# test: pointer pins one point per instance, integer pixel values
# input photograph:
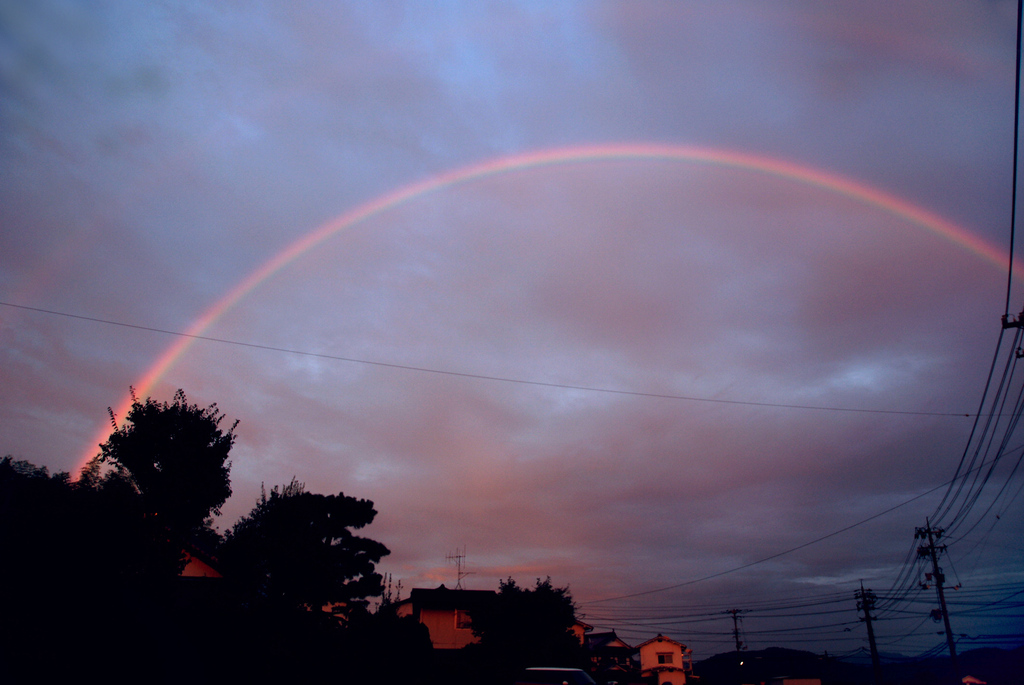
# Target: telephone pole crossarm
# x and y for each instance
(1012, 322)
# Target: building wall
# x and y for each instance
(197, 568)
(649, 653)
(671, 673)
(444, 632)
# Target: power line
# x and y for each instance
(776, 555)
(1016, 152)
(950, 495)
(485, 377)
(898, 594)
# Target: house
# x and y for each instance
(199, 564)
(609, 655)
(664, 658)
(200, 584)
(445, 613)
(580, 630)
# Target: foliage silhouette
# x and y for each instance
(73, 571)
(525, 627)
(371, 641)
(295, 550)
(175, 454)
(92, 568)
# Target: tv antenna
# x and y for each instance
(458, 557)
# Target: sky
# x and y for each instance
(686, 305)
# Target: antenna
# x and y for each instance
(458, 557)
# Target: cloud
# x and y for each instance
(153, 157)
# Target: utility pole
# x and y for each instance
(736, 629)
(931, 551)
(736, 636)
(866, 602)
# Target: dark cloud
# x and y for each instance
(152, 157)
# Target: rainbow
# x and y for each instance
(783, 169)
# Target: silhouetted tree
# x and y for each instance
(175, 457)
(371, 641)
(525, 627)
(296, 550)
(71, 571)
(65, 535)
(91, 567)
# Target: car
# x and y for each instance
(554, 676)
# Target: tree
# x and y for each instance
(75, 552)
(295, 550)
(527, 628)
(175, 455)
(369, 641)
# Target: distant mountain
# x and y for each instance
(775, 662)
(994, 666)
(863, 657)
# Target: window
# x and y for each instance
(664, 657)
(462, 620)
